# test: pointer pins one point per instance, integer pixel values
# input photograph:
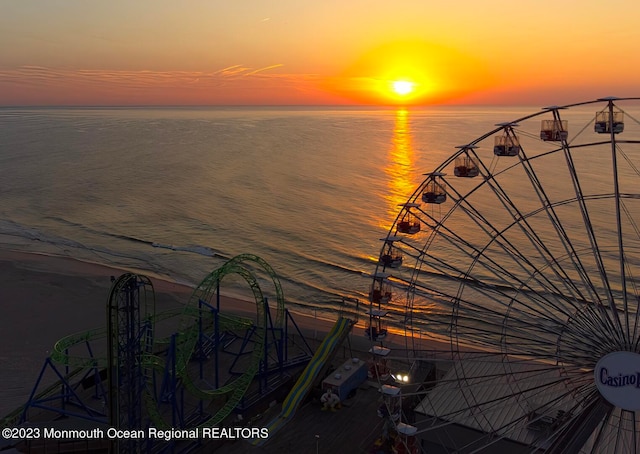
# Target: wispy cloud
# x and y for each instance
(230, 84)
(262, 70)
(39, 75)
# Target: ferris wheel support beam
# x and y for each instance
(616, 189)
(581, 429)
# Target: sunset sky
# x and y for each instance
(282, 52)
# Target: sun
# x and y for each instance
(402, 87)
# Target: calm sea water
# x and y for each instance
(177, 191)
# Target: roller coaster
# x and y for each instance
(215, 369)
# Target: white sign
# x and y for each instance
(617, 377)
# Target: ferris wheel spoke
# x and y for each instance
(626, 157)
(541, 309)
(599, 435)
(614, 434)
(496, 269)
(523, 261)
(515, 425)
(548, 207)
(562, 235)
(539, 343)
(621, 257)
(481, 410)
(591, 233)
(491, 322)
(627, 268)
(575, 432)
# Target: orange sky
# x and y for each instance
(202, 52)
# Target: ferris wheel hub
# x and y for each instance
(617, 377)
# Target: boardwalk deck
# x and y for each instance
(351, 429)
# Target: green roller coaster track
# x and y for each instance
(236, 389)
(231, 393)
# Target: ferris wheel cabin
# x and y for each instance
(376, 329)
(464, 165)
(434, 191)
(606, 123)
(380, 289)
(409, 224)
(391, 256)
(554, 130)
(507, 144)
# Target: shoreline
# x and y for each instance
(45, 298)
(40, 263)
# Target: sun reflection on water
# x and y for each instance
(400, 167)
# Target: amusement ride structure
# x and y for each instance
(216, 369)
(519, 254)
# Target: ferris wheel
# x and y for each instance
(520, 255)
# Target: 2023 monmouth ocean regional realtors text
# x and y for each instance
(230, 433)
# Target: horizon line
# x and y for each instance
(231, 106)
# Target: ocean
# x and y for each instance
(175, 192)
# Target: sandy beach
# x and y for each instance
(45, 298)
